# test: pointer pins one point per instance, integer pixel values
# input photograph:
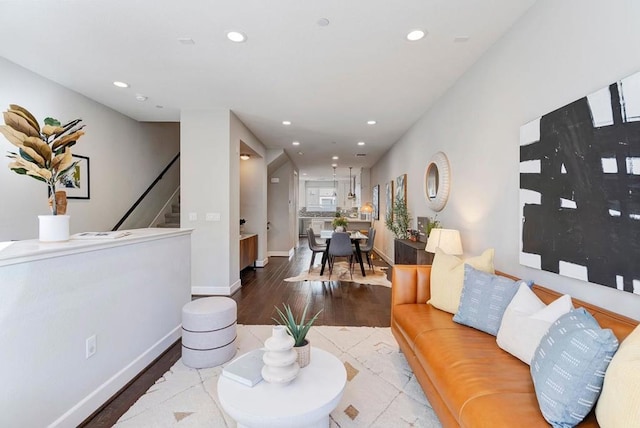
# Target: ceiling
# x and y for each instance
(328, 80)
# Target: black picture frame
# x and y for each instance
(77, 182)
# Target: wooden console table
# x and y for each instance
(248, 250)
(408, 252)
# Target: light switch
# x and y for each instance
(193, 216)
(212, 217)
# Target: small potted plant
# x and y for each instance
(339, 223)
(297, 329)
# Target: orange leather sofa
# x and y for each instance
(467, 378)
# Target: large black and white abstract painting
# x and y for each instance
(580, 188)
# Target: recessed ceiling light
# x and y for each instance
(371, 122)
(335, 158)
(334, 165)
(296, 143)
(186, 41)
(323, 22)
(245, 156)
(121, 84)
(461, 39)
(300, 153)
(159, 106)
(286, 122)
(236, 36)
(361, 143)
(415, 35)
(141, 97)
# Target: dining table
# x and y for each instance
(355, 236)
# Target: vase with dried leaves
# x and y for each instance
(43, 153)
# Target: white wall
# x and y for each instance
(128, 293)
(253, 186)
(558, 52)
(125, 156)
(208, 160)
(281, 212)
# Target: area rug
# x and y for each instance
(341, 273)
(381, 390)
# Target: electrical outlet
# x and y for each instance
(91, 346)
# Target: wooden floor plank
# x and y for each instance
(342, 304)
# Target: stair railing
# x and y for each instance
(146, 192)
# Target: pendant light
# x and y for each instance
(351, 194)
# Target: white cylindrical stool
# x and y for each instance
(208, 331)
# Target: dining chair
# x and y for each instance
(340, 246)
(314, 246)
(367, 248)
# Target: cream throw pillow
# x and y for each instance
(619, 403)
(526, 320)
(447, 277)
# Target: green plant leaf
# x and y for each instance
(296, 328)
(51, 121)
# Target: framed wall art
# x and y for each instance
(389, 199)
(579, 176)
(401, 188)
(77, 181)
(376, 202)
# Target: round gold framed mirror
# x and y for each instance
(437, 182)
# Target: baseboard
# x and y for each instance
(288, 254)
(78, 413)
(383, 256)
(216, 291)
(263, 262)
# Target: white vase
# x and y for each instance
(53, 228)
(280, 366)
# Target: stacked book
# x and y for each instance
(246, 369)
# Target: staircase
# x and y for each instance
(172, 219)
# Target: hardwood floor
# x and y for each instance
(342, 304)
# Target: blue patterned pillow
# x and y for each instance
(568, 367)
(484, 299)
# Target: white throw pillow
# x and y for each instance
(526, 320)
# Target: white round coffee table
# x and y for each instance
(305, 402)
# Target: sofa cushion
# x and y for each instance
(466, 363)
(447, 277)
(484, 298)
(414, 319)
(526, 320)
(618, 405)
(569, 365)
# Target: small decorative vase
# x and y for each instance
(280, 366)
(54, 228)
(304, 354)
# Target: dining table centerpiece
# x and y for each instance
(339, 223)
(44, 154)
